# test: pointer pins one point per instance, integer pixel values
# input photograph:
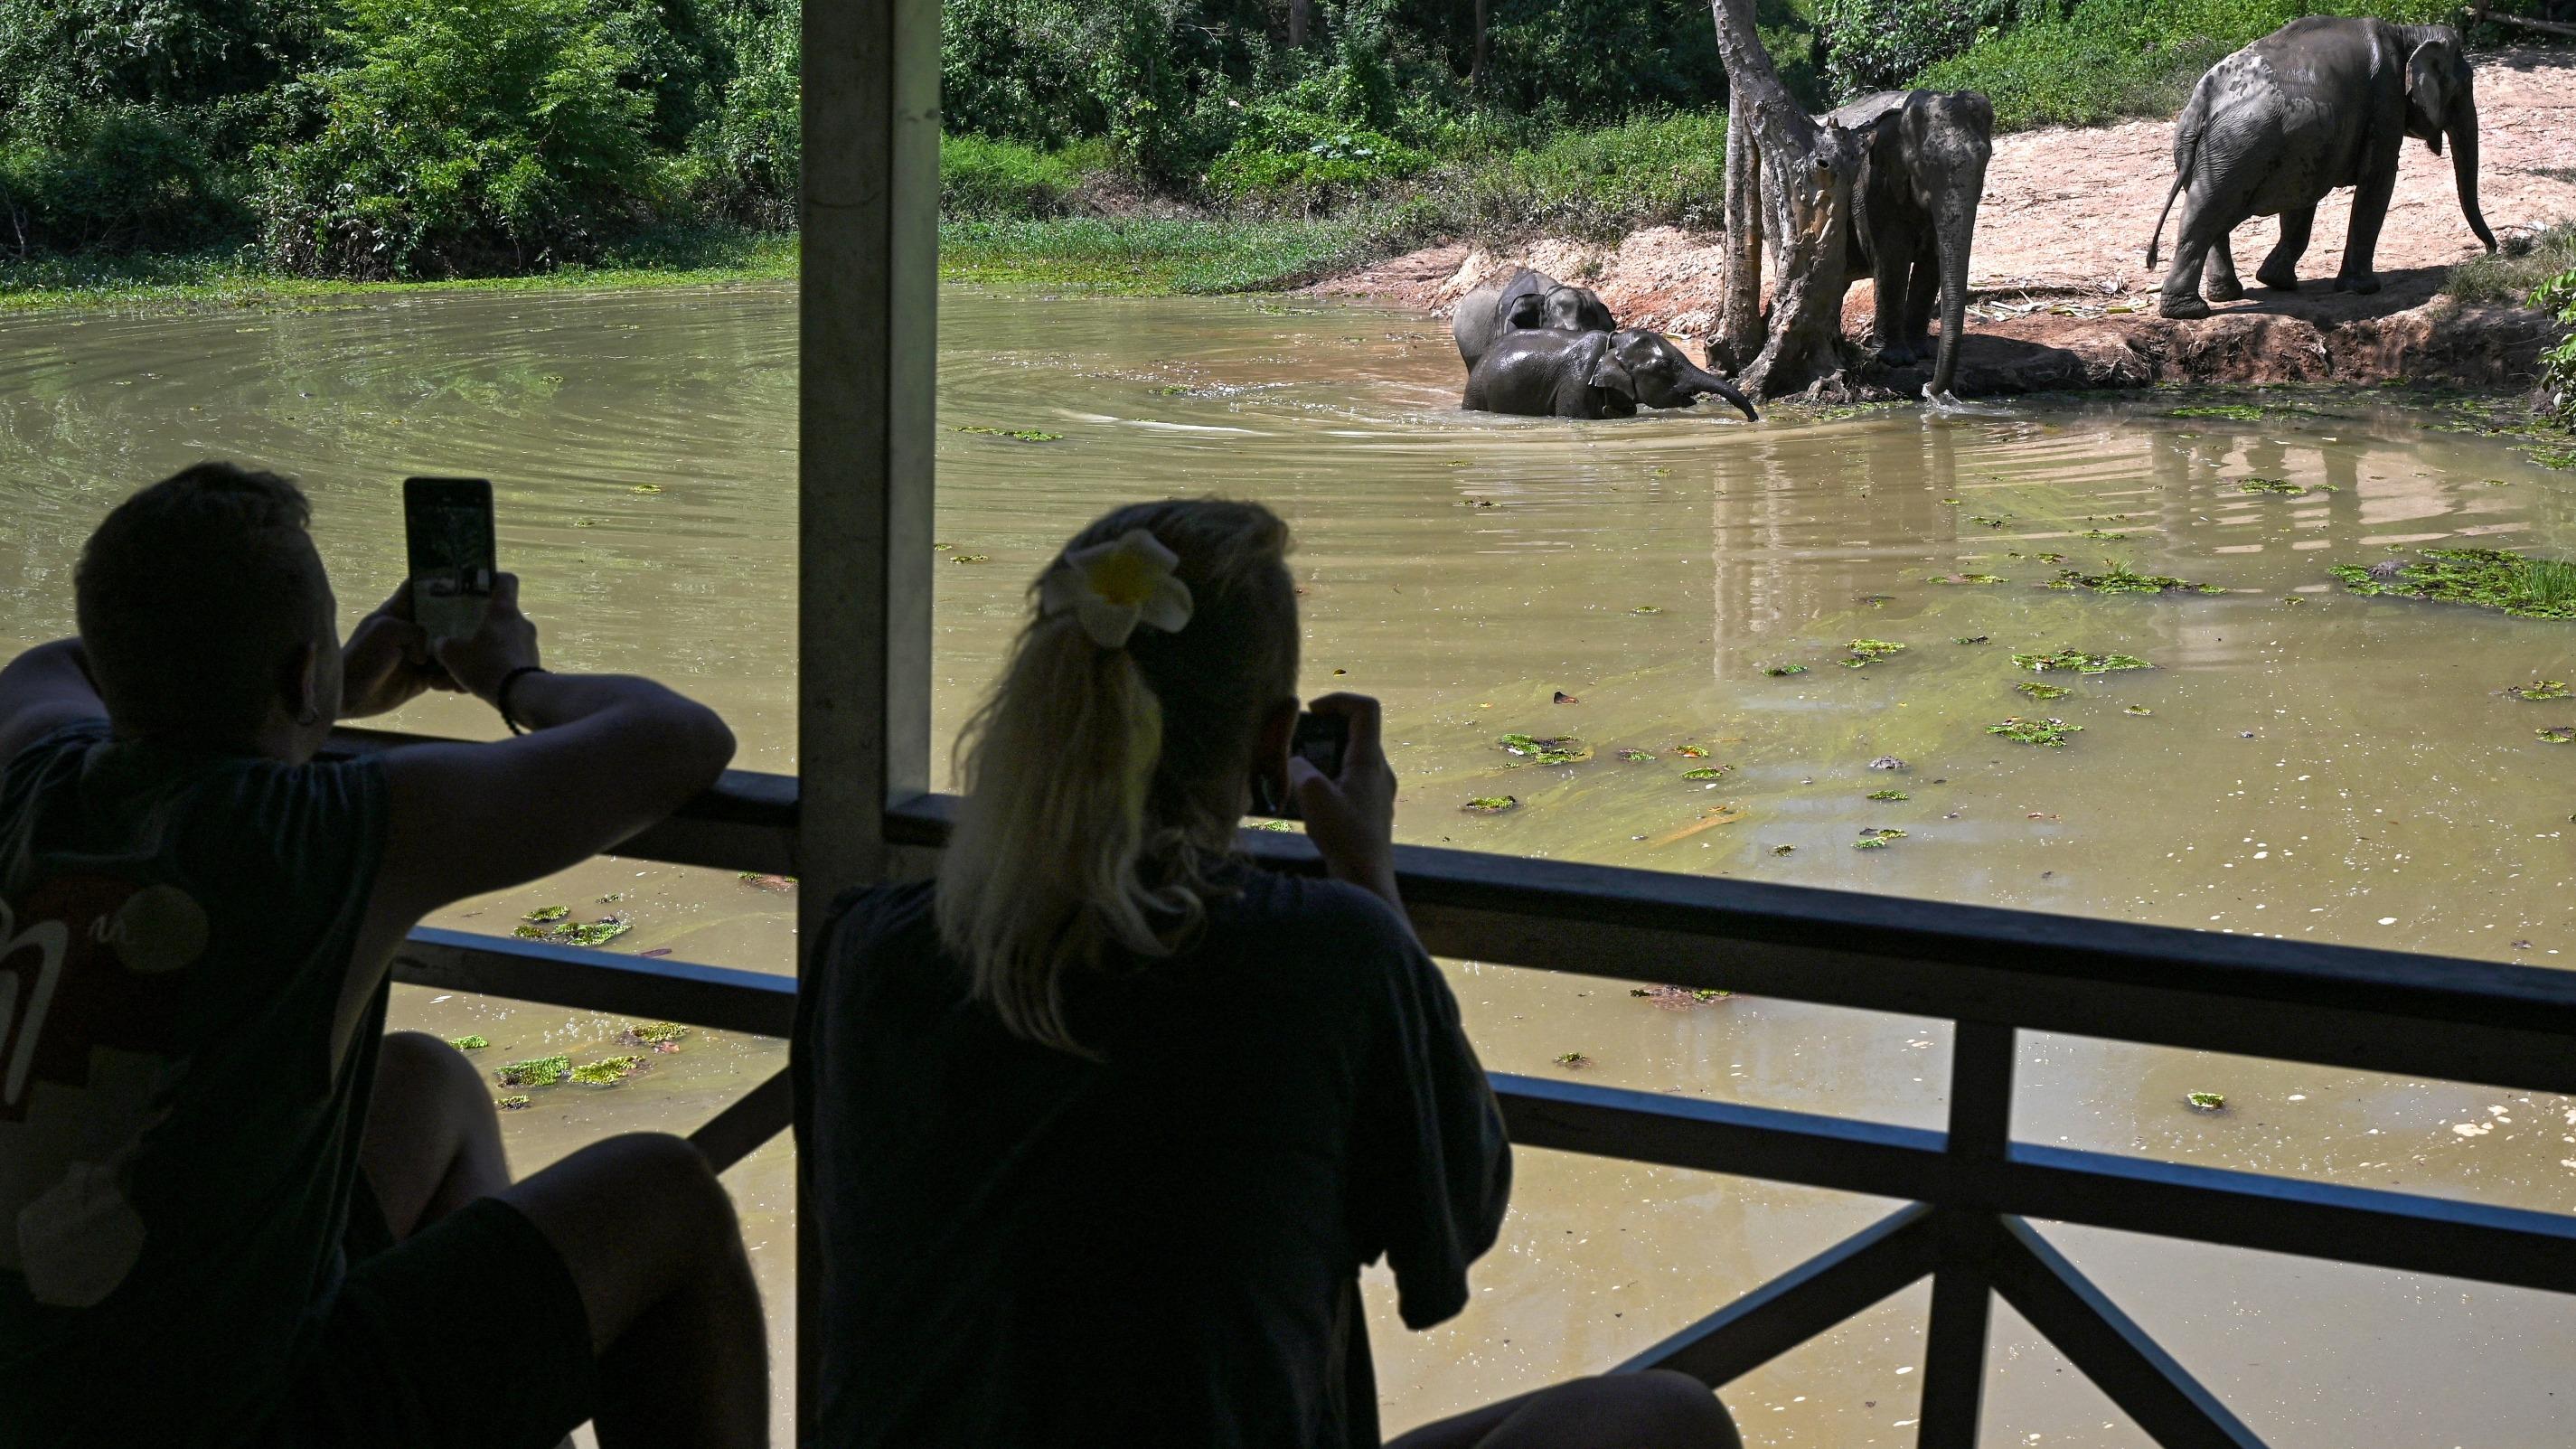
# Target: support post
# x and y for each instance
(1954, 1361)
(867, 326)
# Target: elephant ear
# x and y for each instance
(1611, 375)
(2428, 89)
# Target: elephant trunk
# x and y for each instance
(1956, 229)
(1700, 383)
(2464, 169)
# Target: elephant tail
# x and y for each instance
(2185, 155)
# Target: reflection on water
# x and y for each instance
(2298, 762)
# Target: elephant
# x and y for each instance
(2320, 103)
(1549, 372)
(1527, 299)
(1914, 213)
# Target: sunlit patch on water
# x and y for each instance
(2342, 768)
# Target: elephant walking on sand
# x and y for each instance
(1525, 299)
(2320, 103)
(1914, 213)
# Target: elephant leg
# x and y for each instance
(1890, 272)
(1922, 294)
(2280, 270)
(2369, 210)
(2202, 225)
(2224, 285)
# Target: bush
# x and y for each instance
(2102, 59)
(1876, 45)
(463, 136)
(746, 157)
(985, 179)
(116, 177)
(2558, 364)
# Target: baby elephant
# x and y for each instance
(1541, 372)
(1528, 299)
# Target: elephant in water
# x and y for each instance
(2321, 102)
(1527, 299)
(1547, 372)
(1922, 170)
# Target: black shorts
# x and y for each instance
(469, 1335)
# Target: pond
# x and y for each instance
(2294, 759)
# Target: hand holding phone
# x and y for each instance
(447, 529)
(1318, 739)
(1350, 812)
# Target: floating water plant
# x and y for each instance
(2239, 412)
(607, 1071)
(645, 488)
(1636, 756)
(653, 1033)
(2049, 732)
(1017, 435)
(2137, 709)
(2557, 734)
(2037, 690)
(1889, 795)
(2538, 689)
(1972, 639)
(1708, 772)
(1784, 850)
(1490, 805)
(1877, 838)
(1554, 750)
(1678, 997)
(759, 882)
(1642, 610)
(2206, 1101)
(546, 915)
(1866, 652)
(970, 558)
(2079, 661)
(469, 1043)
(1887, 762)
(1690, 752)
(1576, 1060)
(1783, 671)
(2282, 486)
(1984, 519)
(2050, 557)
(2525, 588)
(2121, 579)
(1276, 827)
(535, 1072)
(512, 1104)
(1967, 578)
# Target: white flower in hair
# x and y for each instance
(1112, 587)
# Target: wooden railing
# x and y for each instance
(1972, 1190)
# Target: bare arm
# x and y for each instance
(605, 756)
(43, 690)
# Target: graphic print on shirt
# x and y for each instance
(85, 1044)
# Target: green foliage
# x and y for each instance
(462, 136)
(2514, 273)
(2526, 588)
(1876, 45)
(980, 177)
(2558, 364)
(2086, 62)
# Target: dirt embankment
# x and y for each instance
(2061, 297)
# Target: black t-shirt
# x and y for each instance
(1024, 1247)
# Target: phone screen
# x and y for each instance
(1320, 740)
(447, 526)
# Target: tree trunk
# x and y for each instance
(1739, 318)
(1805, 172)
(1299, 11)
(1476, 66)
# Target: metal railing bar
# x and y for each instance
(1954, 1346)
(661, 990)
(1724, 1137)
(1798, 1305)
(2370, 1227)
(747, 1121)
(2108, 1346)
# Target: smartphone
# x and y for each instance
(1320, 740)
(447, 525)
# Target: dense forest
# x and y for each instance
(431, 138)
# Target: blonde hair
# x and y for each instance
(1103, 784)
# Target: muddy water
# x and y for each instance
(2298, 761)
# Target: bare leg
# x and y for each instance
(432, 1142)
(2369, 210)
(2280, 270)
(651, 1240)
(2223, 284)
(1657, 1409)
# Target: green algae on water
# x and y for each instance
(1644, 610)
(2206, 1101)
(1573, 1059)
(546, 915)
(607, 1071)
(2099, 536)
(1889, 795)
(2538, 689)
(2556, 734)
(2235, 412)
(512, 1104)
(1967, 578)
(1972, 638)
(2121, 579)
(1865, 652)
(1784, 850)
(2523, 588)
(2037, 690)
(653, 1033)
(1707, 772)
(1557, 750)
(2281, 486)
(1877, 837)
(469, 1043)
(1490, 804)
(2049, 732)
(1986, 520)
(1783, 671)
(535, 1072)
(1690, 752)
(1636, 756)
(2079, 661)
